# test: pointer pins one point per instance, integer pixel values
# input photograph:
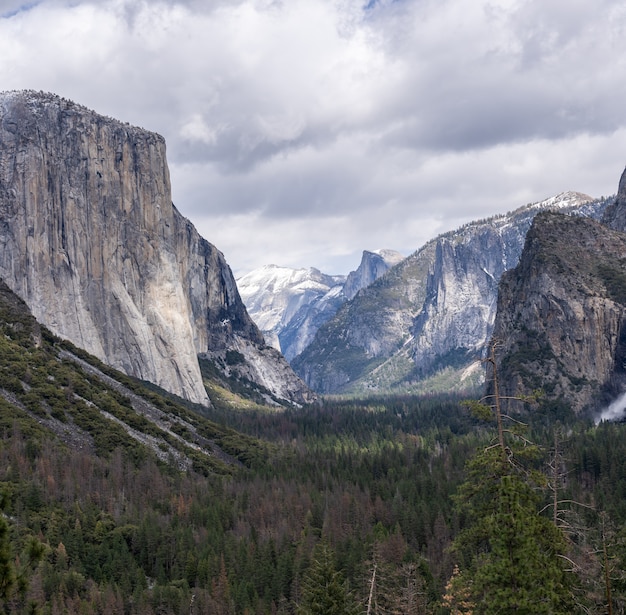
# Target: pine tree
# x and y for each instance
(14, 577)
(324, 590)
(513, 555)
(7, 569)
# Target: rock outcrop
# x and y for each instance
(615, 214)
(91, 241)
(372, 266)
(561, 317)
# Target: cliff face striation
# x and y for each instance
(560, 324)
(91, 241)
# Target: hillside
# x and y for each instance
(89, 406)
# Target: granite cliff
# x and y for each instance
(90, 240)
(561, 316)
(373, 265)
(422, 325)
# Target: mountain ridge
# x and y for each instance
(428, 316)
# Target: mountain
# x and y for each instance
(290, 305)
(423, 324)
(93, 244)
(372, 266)
(276, 296)
(561, 318)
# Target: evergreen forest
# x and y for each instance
(394, 505)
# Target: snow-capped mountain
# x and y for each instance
(431, 314)
(289, 305)
(274, 295)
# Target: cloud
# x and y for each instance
(10, 8)
(310, 130)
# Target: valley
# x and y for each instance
(225, 513)
(433, 446)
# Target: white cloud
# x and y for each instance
(310, 130)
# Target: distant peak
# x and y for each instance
(566, 199)
(389, 256)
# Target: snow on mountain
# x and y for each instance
(289, 305)
(273, 295)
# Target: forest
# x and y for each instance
(382, 498)
(393, 505)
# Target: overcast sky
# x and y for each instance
(301, 132)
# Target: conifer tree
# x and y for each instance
(324, 590)
(7, 569)
(511, 554)
(14, 578)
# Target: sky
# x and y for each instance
(302, 132)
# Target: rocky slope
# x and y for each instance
(432, 314)
(91, 241)
(290, 305)
(72, 397)
(561, 316)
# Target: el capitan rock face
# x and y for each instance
(90, 239)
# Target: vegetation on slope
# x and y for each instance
(139, 504)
